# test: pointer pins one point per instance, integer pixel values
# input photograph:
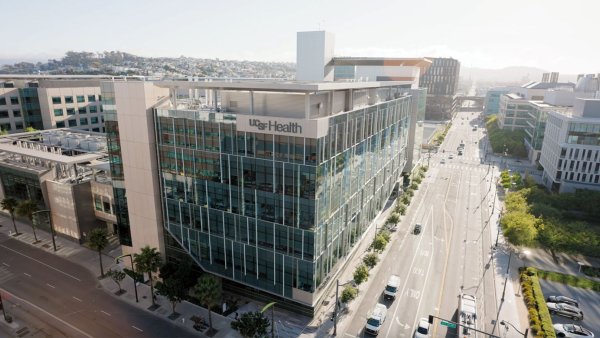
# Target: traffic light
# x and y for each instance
(430, 319)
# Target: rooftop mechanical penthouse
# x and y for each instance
(269, 185)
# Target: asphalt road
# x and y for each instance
(69, 294)
(451, 253)
(589, 302)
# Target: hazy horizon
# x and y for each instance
(548, 35)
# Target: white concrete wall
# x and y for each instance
(314, 51)
(134, 102)
(47, 107)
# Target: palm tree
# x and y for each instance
(208, 291)
(26, 209)
(10, 204)
(99, 241)
(148, 260)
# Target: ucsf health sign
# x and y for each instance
(282, 126)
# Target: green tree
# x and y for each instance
(117, 276)
(400, 208)
(414, 186)
(208, 292)
(386, 234)
(519, 227)
(10, 204)
(148, 261)
(349, 293)
(394, 218)
(172, 288)
(361, 274)
(251, 325)
(26, 209)
(379, 243)
(99, 241)
(405, 199)
(371, 260)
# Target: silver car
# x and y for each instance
(565, 310)
(571, 330)
(563, 299)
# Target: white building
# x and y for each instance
(570, 152)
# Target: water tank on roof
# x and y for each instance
(97, 145)
(84, 144)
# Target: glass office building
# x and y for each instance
(275, 205)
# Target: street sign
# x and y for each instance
(448, 324)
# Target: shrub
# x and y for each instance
(379, 243)
(371, 260)
(405, 199)
(400, 208)
(418, 179)
(539, 316)
(348, 294)
(414, 186)
(394, 218)
(361, 274)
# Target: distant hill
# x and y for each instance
(510, 74)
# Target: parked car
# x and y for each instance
(565, 310)
(423, 329)
(563, 299)
(572, 330)
(451, 156)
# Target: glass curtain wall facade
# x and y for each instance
(116, 163)
(30, 102)
(277, 212)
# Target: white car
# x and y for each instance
(423, 329)
(451, 156)
(571, 330)
(443, 161)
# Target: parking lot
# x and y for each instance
(589, 302)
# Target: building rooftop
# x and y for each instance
(547, 85)
(278, 86)
(422, 63)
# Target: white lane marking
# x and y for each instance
(47, 313)
(426, 274)
(106, 313)
(137, 328)
(409, 269)
(50, 285)
(44, 264)
(77, 299)
(5, 264)
(26, 274)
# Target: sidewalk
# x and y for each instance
(88, 258)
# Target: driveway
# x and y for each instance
(589, 302)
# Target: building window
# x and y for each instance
(68, 99)
(18, 125)
(2, 101)
(5, 127)
(94, 120)
(106, 207)
(58, 112)
(82, 110)
(16, 113)
(60, 124)
(93, 109)
(70, 111)
(83, 121)
(56, 100)
(91, 98)
(3, 114)
(72, 123)
(96, 130)
(80, 98)
(14, 100)
(98, 202)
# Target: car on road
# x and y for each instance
(572, 330)
(391, 287)
(376, 319)
(451, 156)
(563, 299)
(423, 329)
(460, 152)
(443, 161)
(418, 228)
(565, 310)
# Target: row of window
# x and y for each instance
(102, 203)
(83, 121)
(4, 114)
(80, 110)
(578, 177)
(78, 98)
(13, 100)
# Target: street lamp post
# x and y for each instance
(335, 311)
(51, 225)
(134, 275)
(272, 306)
(506, 323)
(507, 274)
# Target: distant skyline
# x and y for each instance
(552, 35)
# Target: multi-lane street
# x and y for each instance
(69, 297)
(452, 253)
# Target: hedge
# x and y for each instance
(539, 316)
(578, 282)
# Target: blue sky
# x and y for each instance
(554, 35)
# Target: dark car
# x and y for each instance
(565, 310)
(563, 299)
(417, 229)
